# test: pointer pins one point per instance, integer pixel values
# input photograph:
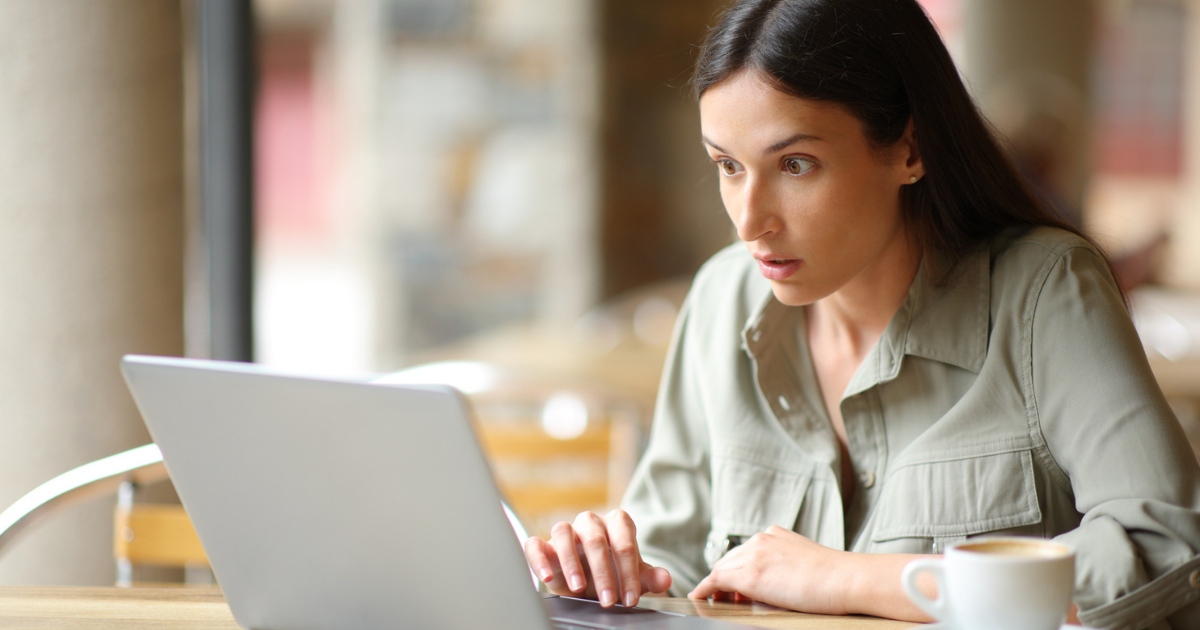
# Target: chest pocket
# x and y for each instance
(926, 505)
(750, 496)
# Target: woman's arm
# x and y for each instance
(669, 496)
(1116, 442)
(783, 568)
(609, 559)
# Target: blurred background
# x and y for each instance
(506, 195)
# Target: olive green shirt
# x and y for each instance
(1014, 397)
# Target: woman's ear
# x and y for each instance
(910, 152)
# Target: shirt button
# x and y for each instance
(1194, 580)
(867, 479)
(783, 402)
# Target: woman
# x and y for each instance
(906, 350)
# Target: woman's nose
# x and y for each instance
(757, 216)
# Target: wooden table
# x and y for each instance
(92, 608)
(765, 616)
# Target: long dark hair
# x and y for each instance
(884, 61)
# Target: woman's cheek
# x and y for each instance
(730, 201)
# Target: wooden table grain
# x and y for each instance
(755, 614)
(96, 608)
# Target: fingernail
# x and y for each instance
(576, 583)
(608, 597)
(547, 575)
(630, 598)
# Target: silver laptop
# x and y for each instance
(327, 504)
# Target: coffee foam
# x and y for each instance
(1016, 548)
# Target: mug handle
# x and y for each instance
(936, 608)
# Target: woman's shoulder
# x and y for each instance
(1026, 256)
(1038, 245)
(1049, 270)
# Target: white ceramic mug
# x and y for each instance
(1001, 583)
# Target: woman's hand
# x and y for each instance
(597, 558)
(781, 568)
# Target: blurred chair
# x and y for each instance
(144, 534)
(645, 315)
(159, 535)
(557, 444)
(620, 344)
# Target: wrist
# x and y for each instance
(856, 573)
(873, 587)
(842, 579)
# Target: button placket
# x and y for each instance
(858, 435)
(863, 431)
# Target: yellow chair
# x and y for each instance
(157, 535)
(146, 534)
(557, 445)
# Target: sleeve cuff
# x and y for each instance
(1151, 603)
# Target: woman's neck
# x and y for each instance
(855, 316)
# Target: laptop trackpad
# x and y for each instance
(569, 612)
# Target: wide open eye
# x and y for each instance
(729, 168)
(797, 165)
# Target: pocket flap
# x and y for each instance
(749, 497)
(958, 497)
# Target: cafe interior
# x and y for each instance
(506, 196)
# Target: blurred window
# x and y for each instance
(426, 172)
(1139, 89)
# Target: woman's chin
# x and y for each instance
(792, 295)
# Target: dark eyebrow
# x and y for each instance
(778, 146)
(783, 144)
(712, 144)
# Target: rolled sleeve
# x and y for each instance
(1177, 590)
(1110, 432)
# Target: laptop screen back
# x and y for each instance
(325, 504)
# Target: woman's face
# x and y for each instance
(815, 203)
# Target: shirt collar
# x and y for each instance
(946, 322)
(949, 321)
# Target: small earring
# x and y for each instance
(912, 180)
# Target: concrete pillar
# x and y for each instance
(1028, 65)
(91, 208)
